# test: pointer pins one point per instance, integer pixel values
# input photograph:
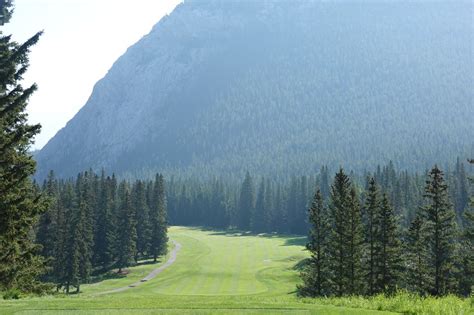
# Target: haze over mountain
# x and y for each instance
(221, 87)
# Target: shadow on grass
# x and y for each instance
(300, 265)
(148, 262)
(290, 239)
(106, 276)
(100, 275)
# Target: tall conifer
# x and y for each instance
(440, 234)
(20, 204)
(316, 274)
(389, 258)
(159, 221)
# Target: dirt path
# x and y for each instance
(151, 275)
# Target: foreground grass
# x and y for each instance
(223, 273)
(404, 303)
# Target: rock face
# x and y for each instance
(279, 88)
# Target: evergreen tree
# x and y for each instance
(126, 245)
(258, 216)
(269, 217)
(371, 210)
(20, 204)
(466, 281)
(389, 258)
(77, 252)
(104, 239)
(440, 234)
(65, 202)
(246, 203)
(143, 218)
(340, 203)
(158, 216)
(460, 190)
(355, 242)
(416, 261)
(317, 273)
(47, 226)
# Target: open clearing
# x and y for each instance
(214, 273)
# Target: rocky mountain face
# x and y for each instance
(280, 87)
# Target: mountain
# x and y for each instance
(281, 87)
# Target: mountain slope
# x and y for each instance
(280, 87)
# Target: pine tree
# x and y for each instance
(460, 191)
(64, 204)
(416, 261)
(269, 216)
(340, 203)
(47, 226)
(246, 203)
(257, 221)
(142, 214)
(388, 260)
(127, 237)
(317, 273)
(440, 234)
(466, 282)
(77, 252)
(104, 239)
(159, 222)
(355, 242)
(371, 210)
(20, 205)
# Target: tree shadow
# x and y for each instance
(289, 239)
(300, 265)
(148, 262)
(296, 241)
(106, 276)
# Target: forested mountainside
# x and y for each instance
(220, 87)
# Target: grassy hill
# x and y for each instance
(214, 273)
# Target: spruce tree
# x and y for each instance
(317, 273)
(142, 214)
(104, 239)
(257, 221)
(47, 226)
(20, 204)
(416, 277)
(340, 203)
(355, 242)
(127, 237)
(371, 210)
(246, 203)
(440, 234)
(77, 252)
(159, 221)
(389, 259)
(466, 282)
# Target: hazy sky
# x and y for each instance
(81, 41)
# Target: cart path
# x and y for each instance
(151, 275)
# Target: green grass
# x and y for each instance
(215, 273)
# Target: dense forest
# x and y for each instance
(280, 87)
(360, 248)
(267, 204)
(95, 224)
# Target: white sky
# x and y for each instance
(81, 41)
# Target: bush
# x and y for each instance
(12, 294)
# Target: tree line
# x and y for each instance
(95, 223)
(264, 204)
(358, 245)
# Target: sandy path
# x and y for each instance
(151, 275)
